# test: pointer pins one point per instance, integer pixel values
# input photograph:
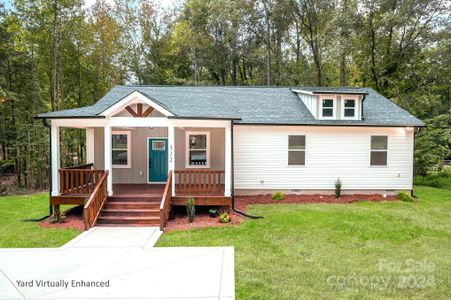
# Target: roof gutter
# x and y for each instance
(203, 118)
(324, 125)
(69, 117)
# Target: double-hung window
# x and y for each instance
(349, 108)
(296, 150)
(197, 149)
(379, 148)
(120, 146)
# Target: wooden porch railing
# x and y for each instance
(165, 205)
(79, 181)
(192, 181)
(83, 166)
(95, 202)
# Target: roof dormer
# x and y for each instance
(333, 104)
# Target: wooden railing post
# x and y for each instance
(165, 205)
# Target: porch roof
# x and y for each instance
(251, 105)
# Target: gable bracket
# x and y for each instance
(139, 111)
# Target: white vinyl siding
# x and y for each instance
(261, 157)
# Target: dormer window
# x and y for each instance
(327, 109)
(349, 108)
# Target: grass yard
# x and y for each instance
(15, 233)
(359, 250)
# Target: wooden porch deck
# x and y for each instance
(136, 204)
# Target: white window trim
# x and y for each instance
(356, 107)
(305, 151)
(378, 150)
(129, 149)
(334, 108)
(187, 150)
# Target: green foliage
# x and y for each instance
(438, 179)
(191, 209)
(338, 185)
(278, 196)
(433, 145)
(15, 233)
(224, 216)
(404, 196)
(292, 238)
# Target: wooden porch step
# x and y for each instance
(131, 205)
(139, 198)
(130, 212)
(136, 220)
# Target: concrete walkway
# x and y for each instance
(124, 262)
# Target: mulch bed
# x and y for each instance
(180, 221)
(202, 220)
(74, 219)
(241, 202)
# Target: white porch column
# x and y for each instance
(107, 155)
(55, 163)
(171, 154)
(228, 162)
(89, 145)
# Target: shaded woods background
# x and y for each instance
(62, 54)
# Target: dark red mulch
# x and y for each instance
(202, 220)
(74, 219)
(242, 201)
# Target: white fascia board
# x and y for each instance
(302, 91)
(201, 123)
(80, 123)
(138, 122)
(132, 98)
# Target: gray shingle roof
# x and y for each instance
(263, 105)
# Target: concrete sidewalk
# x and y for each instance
(124, 261)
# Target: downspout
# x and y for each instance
(363, 99)
(44, 121)
(233, 181)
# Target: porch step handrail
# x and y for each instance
(191, 181)
(78, 181)
(95, 202)
(165, 205)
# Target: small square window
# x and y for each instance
(158, 145)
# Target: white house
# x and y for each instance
(216, 142)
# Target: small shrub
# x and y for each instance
(191, 209)
(338, 185)
(440, 179)
(224, 216)
(405, 197)
(278, 196)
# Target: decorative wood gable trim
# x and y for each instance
(139, 111)
(138, 99)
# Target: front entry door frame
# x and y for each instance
(148, 157)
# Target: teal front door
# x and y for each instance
(158, 160)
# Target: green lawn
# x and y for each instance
(16, 233)
(360, 250)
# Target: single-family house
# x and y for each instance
(150, 147)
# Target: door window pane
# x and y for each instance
(158, 145)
